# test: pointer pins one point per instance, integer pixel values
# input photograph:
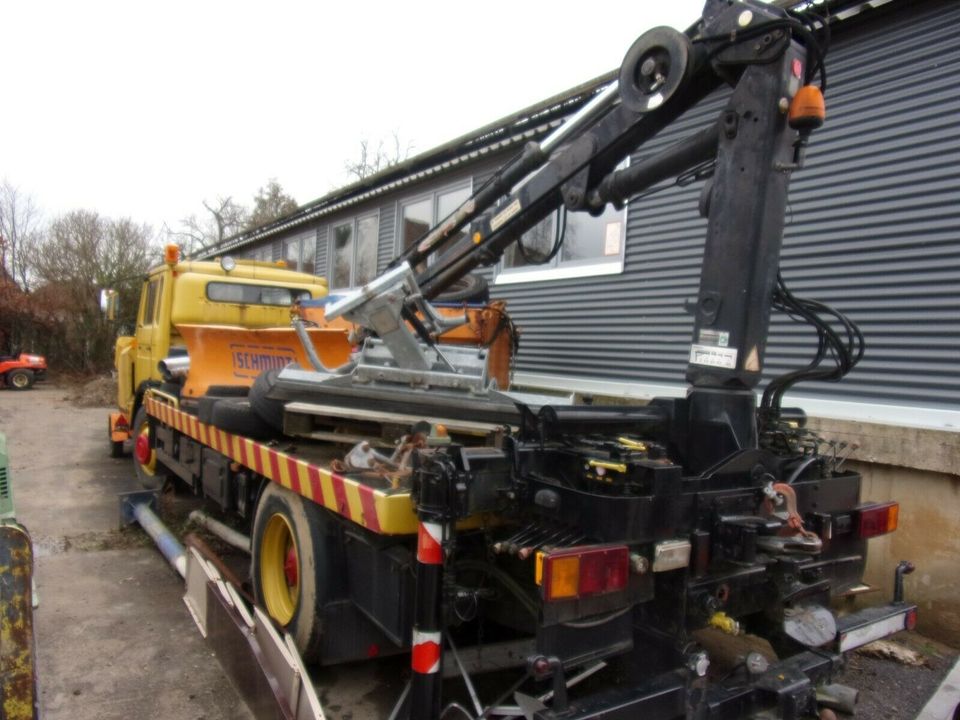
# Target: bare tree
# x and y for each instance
(19, 233)
(226, 218)
(374, 159)
(82, 254)
(269, 204)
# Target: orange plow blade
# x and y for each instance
(229, 355)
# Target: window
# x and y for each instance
(254, 294)
(418, 216)
(354, 256)
(261, 254)
(291, 253)
(591, 246)
(150, 301)
(308, 257)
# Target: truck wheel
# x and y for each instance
(149, 472)
(290, 565)
(20, 379)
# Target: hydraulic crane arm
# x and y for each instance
(663, 75)
(768, 56)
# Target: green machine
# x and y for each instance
(18, 678)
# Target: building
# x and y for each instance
(873, 229)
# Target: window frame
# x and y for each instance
(354, 221)
(284, 244)
(557, 269)
(434, 197)
(293, 292)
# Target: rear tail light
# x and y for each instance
(877, 519)
(577, 572)
(910, 621)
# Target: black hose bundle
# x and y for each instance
(844, 348)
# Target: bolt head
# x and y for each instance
(639, 564)
(699, 663)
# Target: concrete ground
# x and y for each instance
(114, 639)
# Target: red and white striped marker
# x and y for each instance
(429, 548)
(426, 652)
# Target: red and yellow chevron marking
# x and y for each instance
(387, 514)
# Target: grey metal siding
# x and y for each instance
(387, 240)
(323, 250)
(873, 228)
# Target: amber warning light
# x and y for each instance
(171, 254)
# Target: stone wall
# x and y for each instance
(921, 470)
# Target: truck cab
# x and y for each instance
(225, 292)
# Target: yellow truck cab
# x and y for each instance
(225, 292)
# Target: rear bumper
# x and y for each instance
(787, 689)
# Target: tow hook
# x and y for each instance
(904, 567)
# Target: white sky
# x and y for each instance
(144, 109)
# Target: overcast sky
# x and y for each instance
(144, 109)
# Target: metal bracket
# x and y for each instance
(128, 500)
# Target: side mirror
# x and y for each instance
(109, 303)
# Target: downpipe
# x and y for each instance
(225, 533)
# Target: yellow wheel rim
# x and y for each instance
(20, 381)
(280, 569)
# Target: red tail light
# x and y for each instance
(877, 519)
(582, 571)
(910, 621)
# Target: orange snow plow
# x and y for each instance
(233, 355)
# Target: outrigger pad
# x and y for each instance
(128, 500)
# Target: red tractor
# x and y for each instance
(20, 372)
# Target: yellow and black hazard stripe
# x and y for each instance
(378, 511)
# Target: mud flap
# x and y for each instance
(18, 681)
(264, 666)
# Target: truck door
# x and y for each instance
(147, 329)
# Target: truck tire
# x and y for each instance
(269, 410)
(20, 379)
(469, 288)
(290, 565)
(150, 473)
(236, 416)
(239, 391)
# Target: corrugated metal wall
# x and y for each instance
(873, 229)
(323, 250)
(387, 243)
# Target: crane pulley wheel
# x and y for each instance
(654, 68)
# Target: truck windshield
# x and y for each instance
(254, 294)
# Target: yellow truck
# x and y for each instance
(228, 296)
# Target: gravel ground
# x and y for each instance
(890, 690)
